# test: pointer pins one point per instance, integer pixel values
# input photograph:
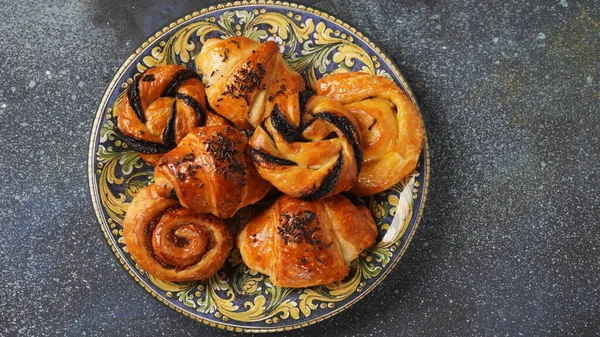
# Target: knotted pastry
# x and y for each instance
(171, 242)
(390, 125)
(308, 148)
(210, 171)
(306, 243)
(160, 107)
(243, 78)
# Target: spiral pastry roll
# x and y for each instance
(244, 78)
(211, 171)
(172, 243)
(160, 107)
(309, 147)
(306, 243)
(390, 125)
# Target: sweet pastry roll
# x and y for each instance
(390, 125)
(160, 107)
(171, 242)
(244, 78)
(306, 243)
(309, 147)
(211, 171)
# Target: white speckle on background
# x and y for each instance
(73, 97)
(3, 105)
(31, 84)
(80, 84)
(496, 40)
(541, 36)
(564, 3)
(543, 164)
(589, 79)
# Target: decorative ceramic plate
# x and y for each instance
(237, 299)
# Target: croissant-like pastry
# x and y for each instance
(172, 243)
(160, 107)
(308, 148)
(306, 243)
(243, 78)
(390, 125)
(211, 171)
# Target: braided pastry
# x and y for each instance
(306, 243)
(243, 78)
(160, 107)
(211, 172)
(172, 243)
(390, 125)
(308, 148)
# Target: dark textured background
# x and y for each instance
(510, 95)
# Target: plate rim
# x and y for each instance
(99, 114)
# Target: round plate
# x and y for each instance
(237, 299)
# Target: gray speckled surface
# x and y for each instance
(510, 95)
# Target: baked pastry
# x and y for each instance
(244, 78)
(390, 125)
(171, 242)
(309, 147)
(160, 107)
(306, 243)
(210, 171)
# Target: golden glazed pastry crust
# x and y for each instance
(211, 172)
(357, 133)
(308, 148)
(244, 78)
(172, 243)
(390, 125)
(160, 107)
(306, 243)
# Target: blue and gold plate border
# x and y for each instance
(237, 299)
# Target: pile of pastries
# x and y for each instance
(245, 128)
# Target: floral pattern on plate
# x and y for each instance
(236, 298)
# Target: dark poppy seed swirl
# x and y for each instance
(308, 150)
(141, 113)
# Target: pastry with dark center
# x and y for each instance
(160, 107)
(306, 243)
(309, 147)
